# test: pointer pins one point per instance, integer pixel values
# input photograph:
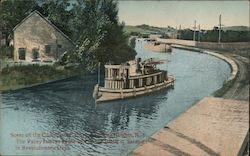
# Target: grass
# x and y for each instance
(14, 77)
(146, 29)
(128, 29)
(143, 29)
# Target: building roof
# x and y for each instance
(48, 21)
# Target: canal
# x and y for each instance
(61, 118)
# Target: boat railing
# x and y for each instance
(136, 89)
(147, 75)
(136, 81)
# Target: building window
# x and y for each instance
(59, 46)
(35, 53)
(47, 49)
(21, 53)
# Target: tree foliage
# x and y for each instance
(92, 24)
(58, 13)
(100, 33)
(213, 35)
(12, 12)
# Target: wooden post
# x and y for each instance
(134, 91)
(121, 91)
(98, 76)
(194, 30)
(199, 37)
(219, 39)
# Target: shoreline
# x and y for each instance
(161, 48)
(231, 86)
(228, 60)
(36, 84)
(237, 85)
(200, 131)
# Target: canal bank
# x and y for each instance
(232, 64)
(188, 135)
(16, 76)
(161, 48)
(237, 85)
(213, 126)
(229, 60)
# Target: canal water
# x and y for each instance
(61, 118)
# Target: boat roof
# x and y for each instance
(111, 66)
(127, 65)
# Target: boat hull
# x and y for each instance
(111, 94)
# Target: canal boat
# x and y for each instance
(132, 79)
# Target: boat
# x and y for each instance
(132, 79)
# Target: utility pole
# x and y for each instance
(194, 29)
(179, 31)
(1, 26)
(1, 38)
(199, 39)
(219, 39)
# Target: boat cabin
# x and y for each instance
(134, 74)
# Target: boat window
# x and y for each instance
(115, 72)
(136, 83)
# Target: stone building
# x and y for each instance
(36, 39)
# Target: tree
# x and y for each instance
(92, 24)
(13, 12)
(100, 37)
(88, 32)
(58, 12)
(114, 47)
(132, 42)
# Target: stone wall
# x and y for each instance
(36, 32)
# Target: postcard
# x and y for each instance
(124, 77)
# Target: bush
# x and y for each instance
(24, 75)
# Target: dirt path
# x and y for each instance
(240, 88)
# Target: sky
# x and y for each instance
(179, 12)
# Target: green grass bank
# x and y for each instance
(20, 76)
